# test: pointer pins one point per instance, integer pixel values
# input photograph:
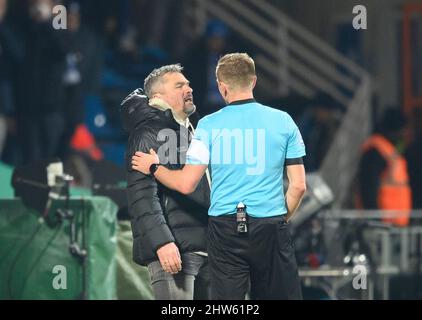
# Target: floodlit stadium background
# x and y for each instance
(60, 92)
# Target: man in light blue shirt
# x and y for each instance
(245, 146)
(268, 137)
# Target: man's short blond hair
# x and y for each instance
(237, 70)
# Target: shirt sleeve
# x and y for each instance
(295, 144)
(199, 149)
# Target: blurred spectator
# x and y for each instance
(383, 176)
(200, 63)
(10, 54)
(83, 143)
(159, 12)
(80, 51)
(318, 125)
(101, 18)
(414, 159)
(40, 108)
(159, 23)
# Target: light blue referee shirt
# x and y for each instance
(245, 146)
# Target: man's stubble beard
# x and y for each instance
(189, 109)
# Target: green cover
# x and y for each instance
(133, 281)
(30, 248)
(6, 190)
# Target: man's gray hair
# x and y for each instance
(157, 76)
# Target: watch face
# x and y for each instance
(153, 168)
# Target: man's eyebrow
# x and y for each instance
(182, 83)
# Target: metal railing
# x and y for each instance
(388, 250)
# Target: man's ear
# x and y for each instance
(254, 82)
(223, 88)
(220, 87)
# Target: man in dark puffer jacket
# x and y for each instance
(169, 228)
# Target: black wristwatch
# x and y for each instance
(153, 168)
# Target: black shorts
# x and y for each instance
(265, 256)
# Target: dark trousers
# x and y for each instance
(265, 256)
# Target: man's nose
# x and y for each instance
(189, 89)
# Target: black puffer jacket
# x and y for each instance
(160, 215)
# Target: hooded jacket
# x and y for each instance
(160, 215)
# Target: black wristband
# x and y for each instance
(153, 168)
